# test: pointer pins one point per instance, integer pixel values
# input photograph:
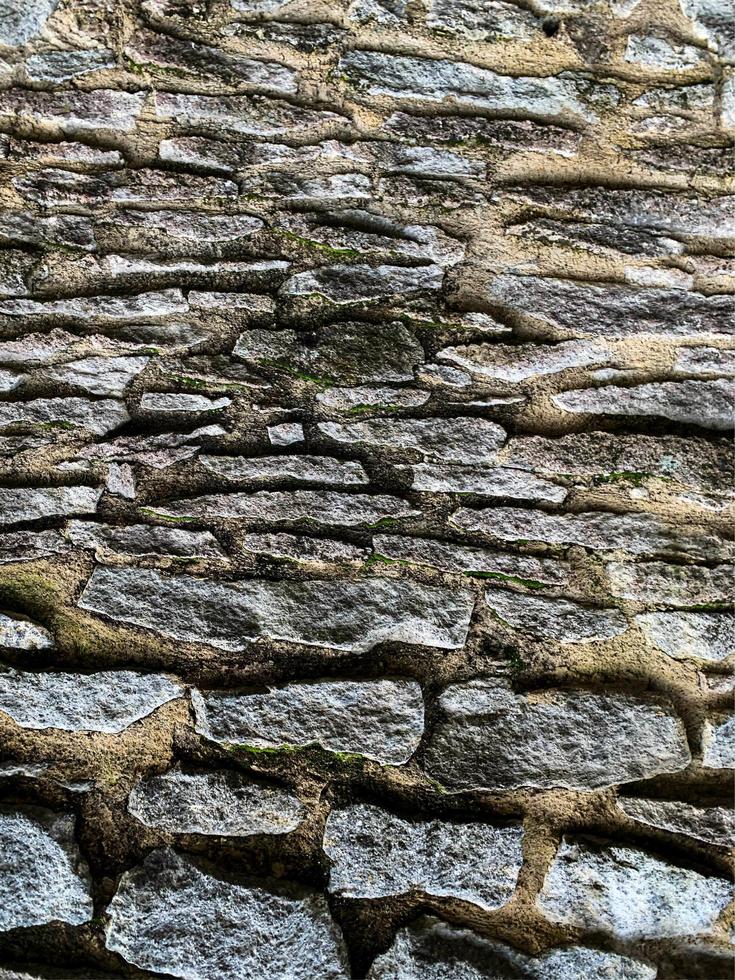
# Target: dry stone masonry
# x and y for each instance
(367, 378)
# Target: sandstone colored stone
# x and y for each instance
(109, 701)
(375, 854)
(557, 620)
(307, 469)
(455, 440)
(493, 739)
(590, 887)
(22, 634)
(379, 719)
(44, 879)
(33, 504)
(143, 540)
(99, 417)
(221, 803)
(683, 635)
(172, 917)
(340, 615)
(713, 825)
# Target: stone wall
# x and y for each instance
(365, 489)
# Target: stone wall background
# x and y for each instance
(366, 489)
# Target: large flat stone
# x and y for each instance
(144, 306)
(22, 634)
(684, 635)
(456, 440)
(342, 615)
(251, 116)
(656, 583)
(100, 416)
(99, 375)
(590, 887)
(30, 504)
(718, 741)
(172, 917)
(73, 113)
(493, 739)
(348, 284)
(221, 803)
(21, 23)
(712, 825)
(379, 719)
(502, 362)
(269, 469)
(43, 879)
(558, 620)
(489, 481)
(109, 701)
(376, 854)
(143, 540)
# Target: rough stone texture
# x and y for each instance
(382, 720)
(683, 635)
(442, 440)
(375, 854)
(26, 504)
(165, 913)
(556, 619)
(590, 886)
(268, 469)
(142, 539)
(343, 616)
(22, 634)
(714, 825)
(219, 803)
(491, 738)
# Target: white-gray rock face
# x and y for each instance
(433, 950)
(514, 364)
(60, 66)
(341, 615)
(240, 114)
(558, 620)
(659, 52)
(683, 635)
(142, 539)
(591, 887)
(30, 504)
(214, 803)
(486, 20)
(298, 547)
(718, 741)
(450, 557)
(490, 481)
(716, 361)
(179, 404)
(99, 375)
(672, 585)
(713, 825)
(43, 878)
(368, 396)
(379, 719)
(309, 469)
(194, 226)
(115, 309)
(109, 701)
(343, 285)
(375, 854)
(171, 917)
(17, 546)
(636, 534)
(288, 506)
(491, 738)
(709, 404)
(99, 417)
(460, 440)
(22, 634)
(22, 22)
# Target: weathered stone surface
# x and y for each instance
(488, 20)
(341, 615)
(577, 309)
(636, 534)
(684, 635)
(306, 469)
(222, 803)
(44, 879)
(458, 440)
(251, 116)
(60, 66)
(423, 80)
(20, 24)
(296, 547)
(73, 113)
(109, 701)
(502, 135)
(450, 557)
(672, 585)
(181, 404)
(286, 434)
(491, 738)
(375, 854)
(54, 187)
(705, 360)
(433, 950)
(142, 539)
(713, 825)
(712, 22)
(190, 226)
(22, 634)
(379, 719)
(99, 417)
(718, 741)
(171, 917)
(590, 887)
(368, 396)
(343, 285)
(288, 506)
(557, 620)
(23, 228)
(661, 53)
(17, 546)
(514, 364)
(31, 504)
(144, 306)
(490, 481)
(99, 375)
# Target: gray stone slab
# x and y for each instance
(143, 540)
(33, 504)
(306, 469)
(23, 634)
(712, 825)
(706, 636)
(455, 440)
(558, 620)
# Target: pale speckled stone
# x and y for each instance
(683, 635)
(637, 534)
(44, 878)
(714, 361)
(143, 539)
(379, 719)
(525, 361)
(74, 113)
(672, 585)
(431, 949)
(490, 481)
(159, 401)
(109, 701)
(661, 53)
(99, 375)
(17, 546)
(485, 20)
(100, 417)
(22, 634)
(455, 440)
(309, 469)
(718, 741)
(365, 396)
(171, 917)
(33, 504)
(285, 434)
(241, 114)
(450, 557)
(709, 404)
(219, 803)
(320, 506)
(22, 22)
(591, 887)
(558, 620)
(712, 21)
(194, 226)
(575, 739)
(339, 615)
(144, 306)
(296, 547)
(345, 284)
(375, 854)
(713, 825)
(60, 66)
